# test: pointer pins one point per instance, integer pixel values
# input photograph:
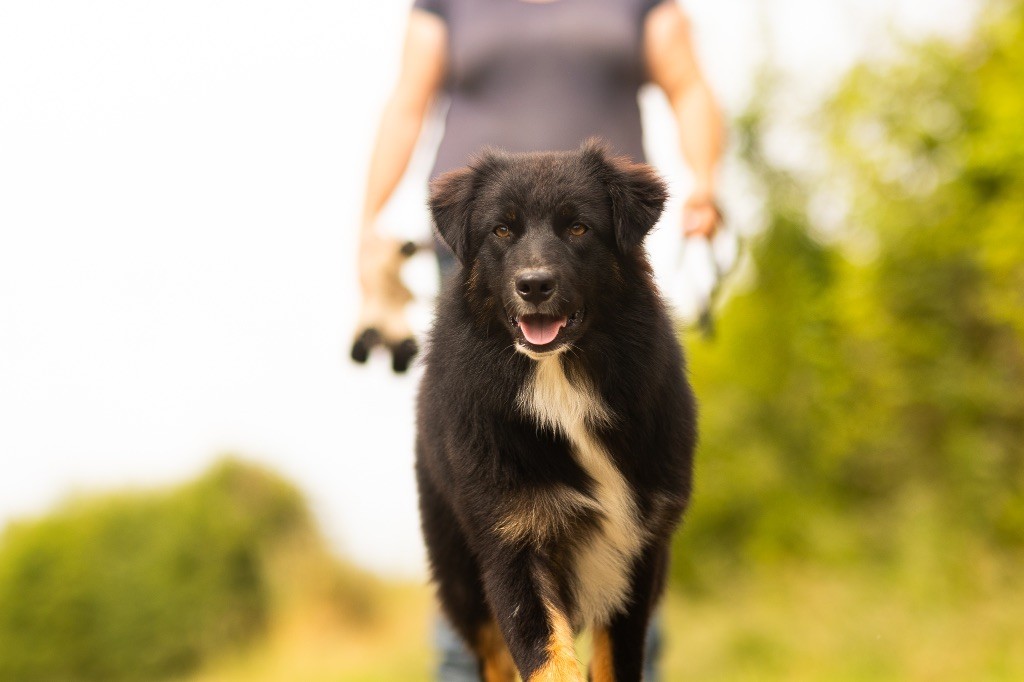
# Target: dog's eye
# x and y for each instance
(502, 231)
(578, 229)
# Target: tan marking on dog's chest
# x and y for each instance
(603, 564)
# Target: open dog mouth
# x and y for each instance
(542, 330)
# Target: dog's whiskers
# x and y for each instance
(511, 357)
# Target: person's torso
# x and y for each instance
(532, 76)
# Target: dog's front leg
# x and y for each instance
(529, 610)
(619, 644)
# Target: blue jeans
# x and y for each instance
(459, 664)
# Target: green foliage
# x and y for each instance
(863, 401)
(142, 586)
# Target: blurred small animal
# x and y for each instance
(382, 318)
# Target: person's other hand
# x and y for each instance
(700, 216)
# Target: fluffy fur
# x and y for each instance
(552, 470)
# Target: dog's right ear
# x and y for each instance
(637, 193)
(451, 205)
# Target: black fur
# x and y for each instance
(478, 451)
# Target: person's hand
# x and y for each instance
(373, 250)
(700, 216)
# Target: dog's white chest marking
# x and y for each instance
(604, 564)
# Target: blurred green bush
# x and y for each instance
(863, 403)
(146, 586)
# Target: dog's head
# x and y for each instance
(545, 238)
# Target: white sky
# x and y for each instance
(179, 188)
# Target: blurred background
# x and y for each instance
(197, 484)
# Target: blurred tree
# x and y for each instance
(865, 397)
(151, 585)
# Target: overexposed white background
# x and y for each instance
(179, 190)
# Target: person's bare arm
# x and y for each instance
(673, 66)
(424, 59)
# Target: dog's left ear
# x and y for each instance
(451, 205)
(637, 193)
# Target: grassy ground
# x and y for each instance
(96, 589)
(793, 624)
(805, 625)
(309, 646)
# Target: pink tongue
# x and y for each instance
(541, 330)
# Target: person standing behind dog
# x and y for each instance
(542, 75)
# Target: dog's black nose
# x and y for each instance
(535, 286)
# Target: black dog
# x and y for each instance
(556, 428)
